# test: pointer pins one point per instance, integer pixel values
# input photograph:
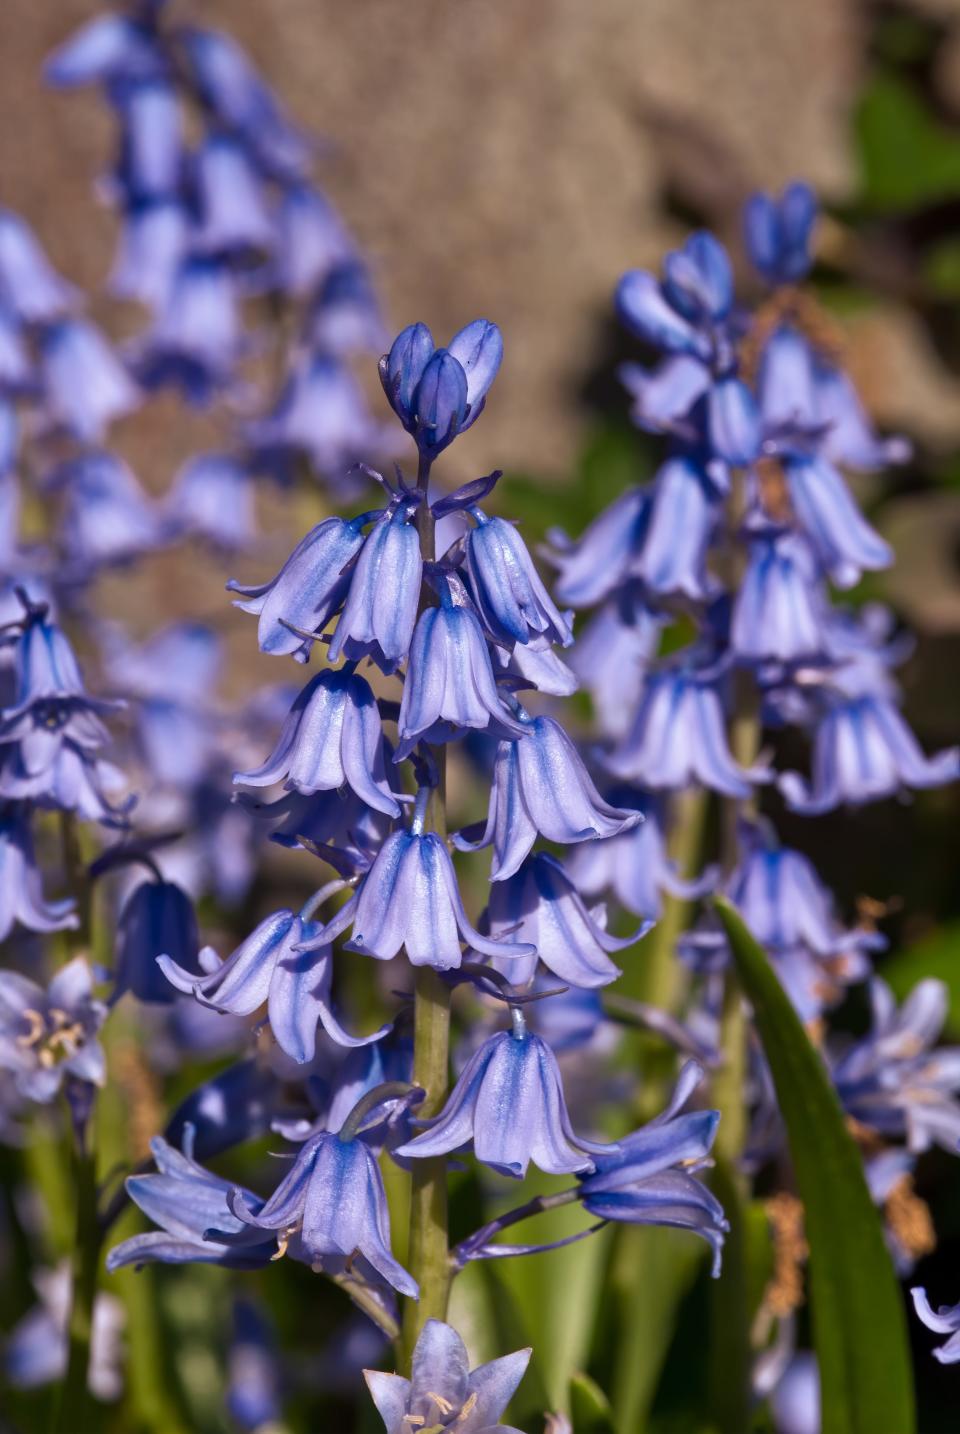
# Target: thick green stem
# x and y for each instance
(74, 1409)
(428, 1255)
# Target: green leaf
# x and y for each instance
(908, 158)
(589, 1406)
(858, 1316)
(936, 955)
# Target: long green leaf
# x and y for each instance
(858, 1315)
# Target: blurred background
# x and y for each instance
(511, 160)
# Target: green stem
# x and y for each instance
(428, 1254)
(77, 881)
(75, 1409)
(656, 975)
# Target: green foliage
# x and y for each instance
(858, 1316)
(908, 158)
(936, 955)
(589, 1407)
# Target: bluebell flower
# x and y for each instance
(151, 147)
(321, 414)
(333, 1203)
(30, 287)
(381, 606)
(541, 787)
(508, 1103)
(74, 781)
(677, 315)
(506, 587)
(332, 737)
(234, 219)
(410, 898)
(646, 1178)
(47, 1034)
(107, 517)
(611, 657)
(344, 315)
(21, 894)
(678, 738)
(780, 608)
(893, 1081)
(944, 1320)
(153, 242)
(634, 867)
(449, 682)
(229, 84)
(253, 1381)
(212, 498)
(601, 558)
(273, 967)
(685, 506)
(186, 1201)
(864, 751)
(777, 231)
(443, 1391)
(843, 540)
(157, 917)
(540, 904)
(667, 398)
(311, 239)
(438, 393)
(106, 48)
(85, 386)
(195, 340)
(539, 668)
(36, 1349)
(308, 589)
(783, 901)
(795, 1402)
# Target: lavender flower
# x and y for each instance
(234, 219)
(212, 498)
(602, 558)
(511, 599)
(540, 786)
(438, 393)
(30, 287)
(381, 606)
(107, 516)
(777, 231)
(195, 340)
(779, 611)
(21, 895)
(85, 386)
(332, 737)
(157, 917)
(321, 415)
(633, 866)
(508, 1102)
(443, 1391)
(153, 244)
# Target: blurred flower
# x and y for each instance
(777, 231)
(46, 1035)
(35, 1352)
(21, 894)
(946, 1320)
(157, 917)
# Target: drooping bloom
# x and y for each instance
(253, 1390)
(322, 415)
(611, 657)
(678, 738)
(541, 787)
(449, 682)
(685, 505)
(333, 1202)
(597, 562)
(844, 542)
(410, 898)
(310, 239)
(508, 1103)
(944, 1320)
(777, 231)
(443, 1391)
(540, 904)
(85, 386)
(157, 918)
(779, 610)
(332, 737)
(195, 340)
(37, 1348)
(308, 589)
(153, 243)
(30, 287)
(46, 1035)
(234, 219)
(21, 894)
(381, 607)
(107, 516)
(273, 967)
(506, 587)
(864, 751)
(633, 866)
(438, 393)
(212, 498)
(646, 1179)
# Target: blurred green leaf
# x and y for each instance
(907, 157)
(729, 1350)
(858, 1316)
(941, 268)
(937, 955)
(589, 1407)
